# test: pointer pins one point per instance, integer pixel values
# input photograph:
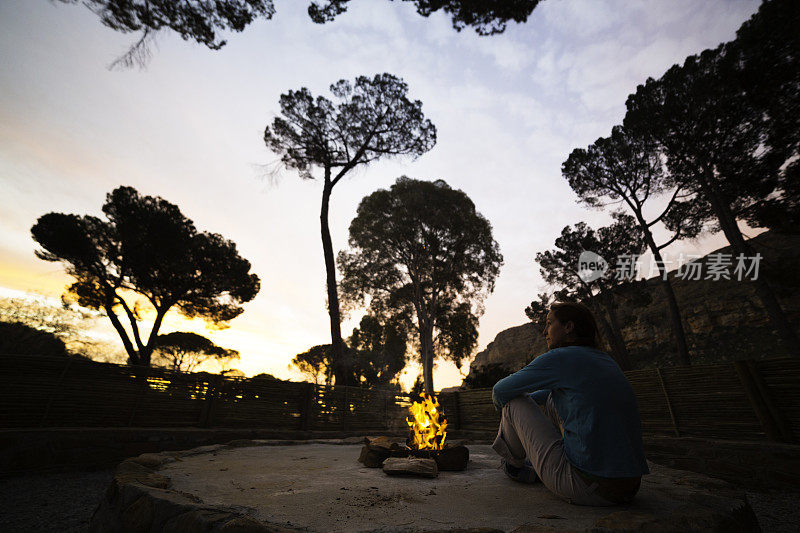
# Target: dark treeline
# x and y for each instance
(718, 139)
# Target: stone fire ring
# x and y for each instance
(261, 486)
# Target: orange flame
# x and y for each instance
(425, 422)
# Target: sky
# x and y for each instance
(189, 127)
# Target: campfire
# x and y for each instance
(428, 430)
(424, 452)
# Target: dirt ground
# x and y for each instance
(59, 501)
(65, 501)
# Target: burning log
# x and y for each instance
(449, 458)
(426, 441)
(377, 450)
(452, 457)
(413, 466)
(428, 430)
(429, 433)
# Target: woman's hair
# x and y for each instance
(585, 326)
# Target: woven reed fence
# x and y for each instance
(743, 400)
(37, 391)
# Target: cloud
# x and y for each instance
(579, 18)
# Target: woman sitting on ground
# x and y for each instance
(579, 431)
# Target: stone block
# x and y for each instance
(626, 521)
(730, 470)
(783, 479)
(198, 520)
(138, 516)
(151, 460)
(686, 463)
(244, 524)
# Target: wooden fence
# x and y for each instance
(743, 400)
(37, 391)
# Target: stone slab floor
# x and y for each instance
(65, 501)
(323, 488)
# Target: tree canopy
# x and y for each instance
(17, 338)
(719, 135)
(378, 349)
(422, 255)
(375, 352)
(185, 351)
(725, 122)
(316, 363)
(372, 119)
(196, 20)
(487, 17)
(146, 248)
(627, 169)
(66, 321)
(765, 54)
(561, 269)
(202, 20)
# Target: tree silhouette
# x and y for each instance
(718, 148)
(422, 255)
(628, 169)
(185, 351)
(67, 321)
(200, 20)
(485, 377)
(560, 268)
(379, 351)
(149, 248)
(375, 353)
(764, 57)
(373, 119)
(197, 20)
(488, 17)
(538, 309)
(17, 338)
(316, 363)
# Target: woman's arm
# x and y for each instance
(541, 373)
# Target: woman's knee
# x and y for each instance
(520, 403)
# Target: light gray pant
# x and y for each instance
(525, 431)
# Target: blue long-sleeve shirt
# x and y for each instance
(602, 428)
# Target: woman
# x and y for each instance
(585, 441)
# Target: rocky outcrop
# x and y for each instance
(723, 319)
(512, 349)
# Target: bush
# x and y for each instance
(18, 339)
(485, 377)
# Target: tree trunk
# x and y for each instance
(133, 355)
(786, 333)
(426, 344)
(674, 311)
(615, 332)
(340, 371)
(145, 352)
